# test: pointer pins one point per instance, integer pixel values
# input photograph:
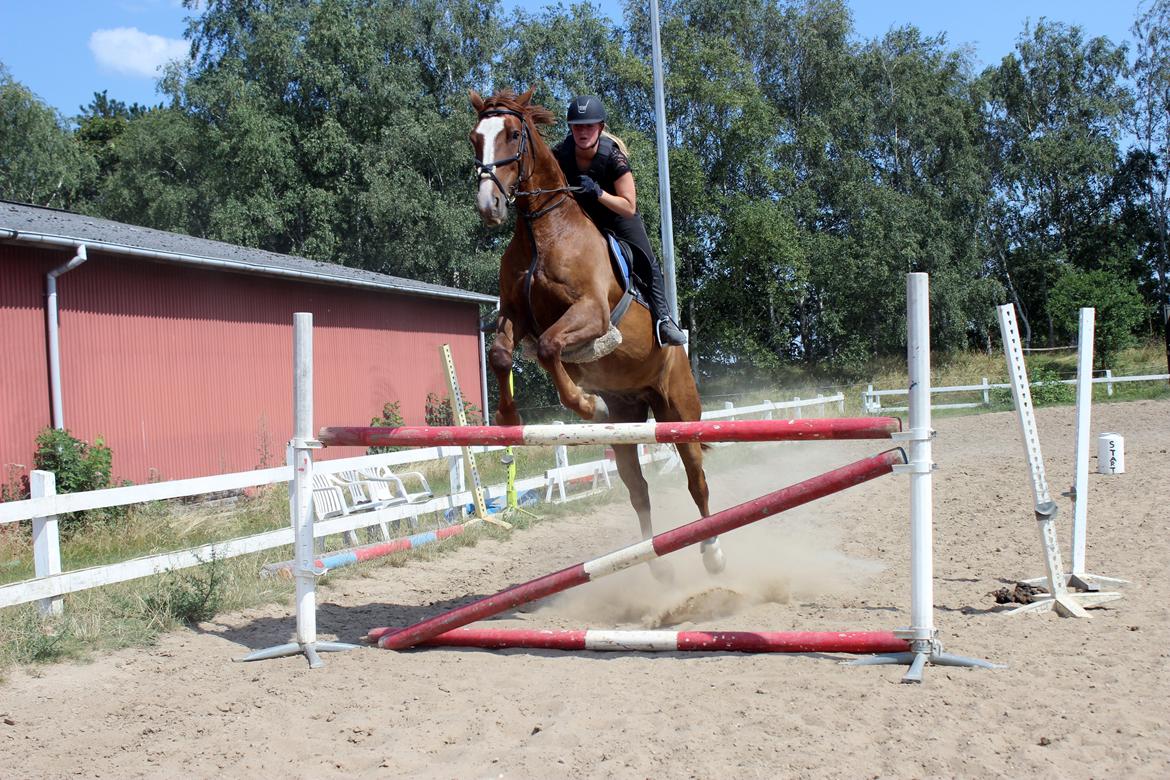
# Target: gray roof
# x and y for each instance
(23, 223)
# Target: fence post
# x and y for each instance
(841, 404)
(1109, 381)
(46, 539)
(728, 405)
(561, 452)
(768, 414)
(986, 392)
(455, 473)
(866, 400)
(821, 408)
(561, 455)
(796, 414)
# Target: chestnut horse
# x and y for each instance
(565, 301)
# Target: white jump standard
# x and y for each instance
(1060, 598)
(301, 506)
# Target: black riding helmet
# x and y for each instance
(585, 110)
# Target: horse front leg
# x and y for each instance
(584, 321)
(500, 358)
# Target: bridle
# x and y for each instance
(488, 171)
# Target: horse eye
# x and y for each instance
(515, 134)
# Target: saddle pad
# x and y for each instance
(619, 256)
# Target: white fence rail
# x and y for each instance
(871, 400)
(50, 583)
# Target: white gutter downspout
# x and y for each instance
(51, 316)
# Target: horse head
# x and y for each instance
(502, 141)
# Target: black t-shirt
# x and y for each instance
(607, 166)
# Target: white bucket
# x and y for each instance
(1110, 453)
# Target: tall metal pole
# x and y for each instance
(663, 167)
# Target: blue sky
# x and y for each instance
(65, 50)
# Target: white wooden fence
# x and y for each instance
(871, 400)
(50, 583)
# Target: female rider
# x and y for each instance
(596, 161)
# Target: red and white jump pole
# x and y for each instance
(858, 642)
(614, 433)
(920, 637)
(648, 549)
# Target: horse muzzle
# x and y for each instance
(490, 203)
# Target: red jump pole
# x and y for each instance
(648, 549)
(614, 433)
(855, 642)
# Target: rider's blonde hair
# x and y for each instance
(621, 145)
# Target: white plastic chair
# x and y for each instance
(329, 501)
(388, 486)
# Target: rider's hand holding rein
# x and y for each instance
(590, 187)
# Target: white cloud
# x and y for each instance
(129, 51)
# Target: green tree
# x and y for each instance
(1150, 124)
(39, 161)
(1052, 111)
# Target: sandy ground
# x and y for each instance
(1080, 698)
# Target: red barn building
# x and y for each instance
(177, 351)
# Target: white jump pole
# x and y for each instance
(1060, 599)
(922, 635)
(1079, 578)
(301, 506)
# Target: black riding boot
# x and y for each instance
(666, 332)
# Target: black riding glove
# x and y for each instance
(590, 188)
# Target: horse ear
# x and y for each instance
(526, 97)
(476, 101)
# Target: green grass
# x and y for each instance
(135, 613)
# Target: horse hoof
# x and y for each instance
(713, 560)
(662, 571)
(600, 410)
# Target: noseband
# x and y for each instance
(488, 170)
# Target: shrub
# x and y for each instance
(1047, 389)
(187, 597)
(1117, 301)
(438, 411)
(391, 418)
(15, 485)
(79, 467)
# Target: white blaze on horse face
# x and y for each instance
(489, 200)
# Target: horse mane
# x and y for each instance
(506, 98)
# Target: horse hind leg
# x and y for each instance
(630, 471)
(692, 457)
(681, 402)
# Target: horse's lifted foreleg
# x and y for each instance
(500, 357)
(585, 320)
